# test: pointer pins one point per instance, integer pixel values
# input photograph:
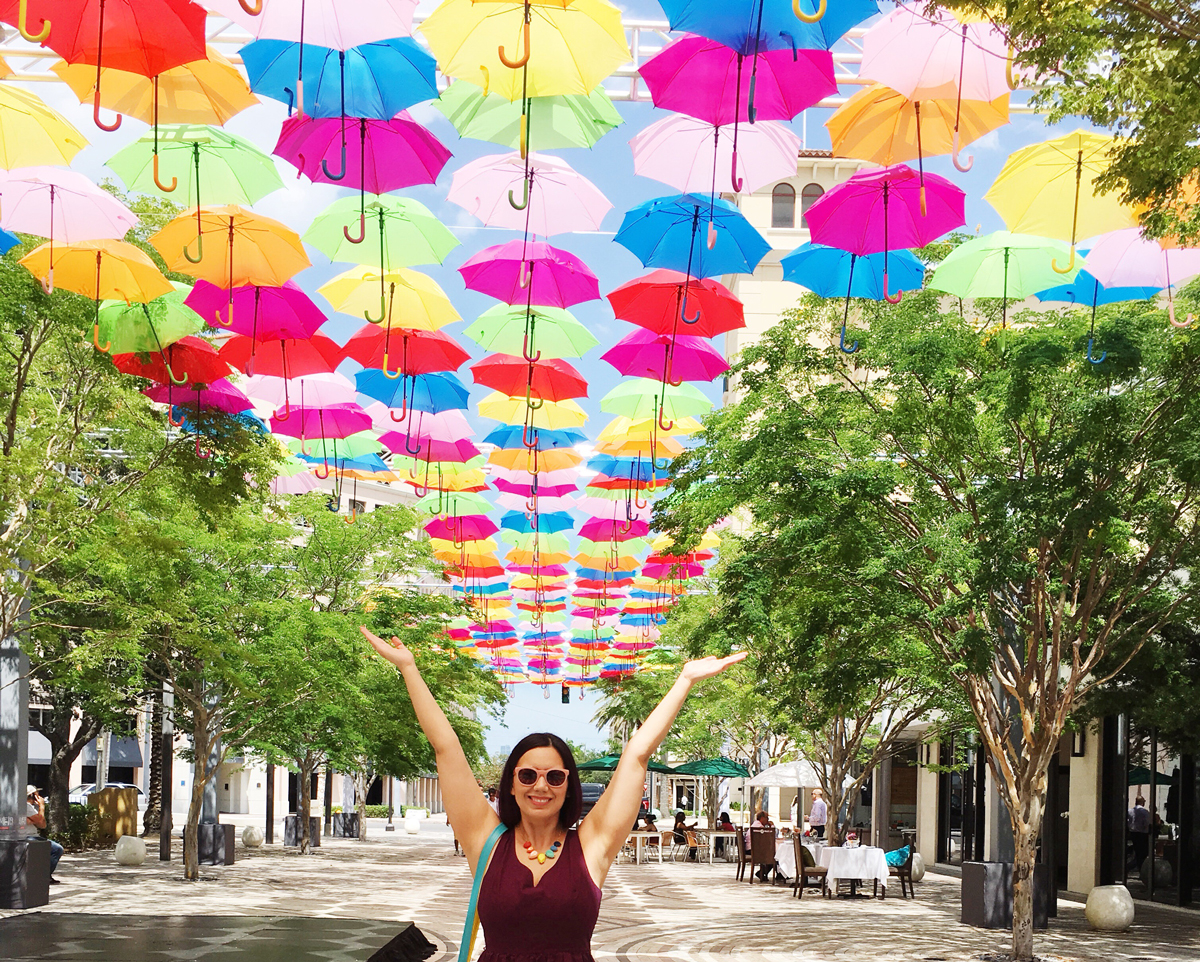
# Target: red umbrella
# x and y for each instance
(146, 37)
(549, 380)
(290, 357)
(188, 359)
(419, 352)
(657, 303)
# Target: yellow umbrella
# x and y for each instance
(33, 135)
(551, 416)
(664, 447)
(474, 544)
(530, 583)
(881, 125)
(619, 563)
(449, 477)
(644, 429)
(535, 462)
(415, 300)
(101, 270)
(253, 249)
(541, 48)
(202, 92)
(664, 541)
(1048, 189)
(523, 556)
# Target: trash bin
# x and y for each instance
(291, 830)
(987, 895)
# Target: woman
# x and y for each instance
(540, 799)
(681, 828)
(723, 825)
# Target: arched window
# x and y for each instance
(809, 196)
(783, 206)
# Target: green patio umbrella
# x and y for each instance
(1004, 265)
(1140, 775)
(218, 167)
(714, 768)
(535, 333)
(148, 328)
(571, 120)
(607, 763)
(640, 397)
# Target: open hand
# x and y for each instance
(394, 651)
(712, 665)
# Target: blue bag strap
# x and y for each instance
(471, 925)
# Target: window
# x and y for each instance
(358, 507)
(809, 196)
(783, 206)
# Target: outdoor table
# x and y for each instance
(712, 835)
(639, 839)
(785, 853)
(854, 864)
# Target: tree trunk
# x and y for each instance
(1025, 852)
(152, 820)
(191, 832)
(307, 765)
(63, 751)
(363, 780)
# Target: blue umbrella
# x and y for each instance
(635, 469)
(8, 241)
(665, 232)
(831, 272)
(1086, 290)
(596, 574)
(548, 523)
(751, 26)
(432, 393)
(513, 436)
(374, 80)
(499, 588)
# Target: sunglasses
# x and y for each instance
(555, 777)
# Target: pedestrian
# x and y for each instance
(540, 800)
(494, 799)
(35, 820)
(1138, 823)
(818, 814)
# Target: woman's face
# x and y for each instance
(541, 799)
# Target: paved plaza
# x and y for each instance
(343, 903)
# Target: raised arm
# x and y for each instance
(604, 830)
(468, 811)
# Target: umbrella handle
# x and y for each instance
(23, 24)
(287, 413)
(1171, 312)
(751, 110)
(1064, 270)
(808, 17)
(159, 184)
(413, 451)
(526, 437)
(668, 424)
(524, 138)
(639, 503)
(221, 323)
(388, 374)
(525, 351)
(530, 402)
(683, 311)
(516, 64)
(253, 9)
(171, 417)
(317, 471)
(525, 276)
(199, 251)
(1008, 69)
(711, 239)
(888, 297)
(380, 319)
(96, 115)
(171, 374)
(842, 341)
(733, 176)
(661, 467)
(963, 165)
(200, 452)
(352, 517)
(924, 209)
(96, 341)
(362, 231)
(328, 173)
(525, 201)
(1091, 358)
(291, 104)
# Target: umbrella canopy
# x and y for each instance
(264, 313)
(413, 300)
(555, 197)
(335, 421)
(1125, 258)
(665, 232)
(412, 352)
(551, 414)
(571, 120)
(394, 232)
(751, 25)
(797, 774)
(309, 390)
(31, 134)
(150, 327)
(188, 359)
(608, 763)
(99, 269)
(62, 205)
(533, 333)
(1000, 264)
(643, 398)
(322, 22)
(666, 357)
(284, 358)
(530, 272)
(831, 272)
(714, 768)
(657, 302)
(217, 395)
(546, 47)
(1086, 290)
(552, 379)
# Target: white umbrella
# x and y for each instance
(797, 774)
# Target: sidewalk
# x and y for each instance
(343, 902)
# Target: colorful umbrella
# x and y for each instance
(665, 232)
(550, 414)
(571, 120)
(667, 357)
(147, 328)
(414, 300)
(31, 134)
(334, 421)
(262, 313)
(657, 302)
(420, 352)
(62, 205)
(533, 333)
(436, 392)
(1125, 258)
(323, 22)
(195, 359)
(286, 358)
(552, 379)
(217, 395)
(750, 25)
(1086, 290)
(530, 272)
(641, 398)
(311, 390)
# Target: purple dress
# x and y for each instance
(548, 922)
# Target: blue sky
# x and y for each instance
(609, 166)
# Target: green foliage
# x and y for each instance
(81, 829)
(381, 811)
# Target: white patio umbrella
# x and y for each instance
(797, 774)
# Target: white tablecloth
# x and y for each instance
(785, 854)
(864, 863)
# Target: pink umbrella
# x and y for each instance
(546, 502)
(665, 357)
(600, 529)
(331, 421)
(531, 272)
(686, 153)
(325, 23)
(462, 527)
(217, 396)
(528, 490)
(616, 510)
(445, 425)
(555, 198)
(311, 390)
(262, 313)
(430, 449)
(297, 484)
(1124, 258)
(376, 156)
(545, 479)
(883, 209)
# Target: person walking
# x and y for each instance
(541, 798)
(1138, 823)
(818, 814)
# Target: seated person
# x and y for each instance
(723, 825)
(681, 829)
(763, 820)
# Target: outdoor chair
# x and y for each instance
(679, 844)
(740, 841)
(904, 874)
(700, 842)
(762, 849)
(808, 873)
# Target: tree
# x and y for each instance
(1022, 511)
(1128, 65)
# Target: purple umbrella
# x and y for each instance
(666, 357)
(886, 209)
(712, 82)
(331, 421)
(520, 272)
(262, 313)
(217, 396)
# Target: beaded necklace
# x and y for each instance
(540, 857)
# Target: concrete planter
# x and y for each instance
(345, 824)
(1110, 908)
(214, 843)
(291, 831)
(24, 873)
(130, 850)
(987, 895)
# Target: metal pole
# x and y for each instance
(168, 777)
(328, 800)
(270, 828)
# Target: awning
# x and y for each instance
(39, 748)
(122, 752)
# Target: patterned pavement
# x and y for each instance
(344, 902)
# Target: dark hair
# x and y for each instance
(723, 817)
(510, 813)
(680, 817)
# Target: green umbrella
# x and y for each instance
(632, 546)
(402, 233)
(218, 167)
(1003, 265)
(714, 768)
(354, 446)
(454, 502)
(606, 763)
(527, 540)
(533, 332)
(1140, 774)
(639, 398)
(148, 328)
(571, 120)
